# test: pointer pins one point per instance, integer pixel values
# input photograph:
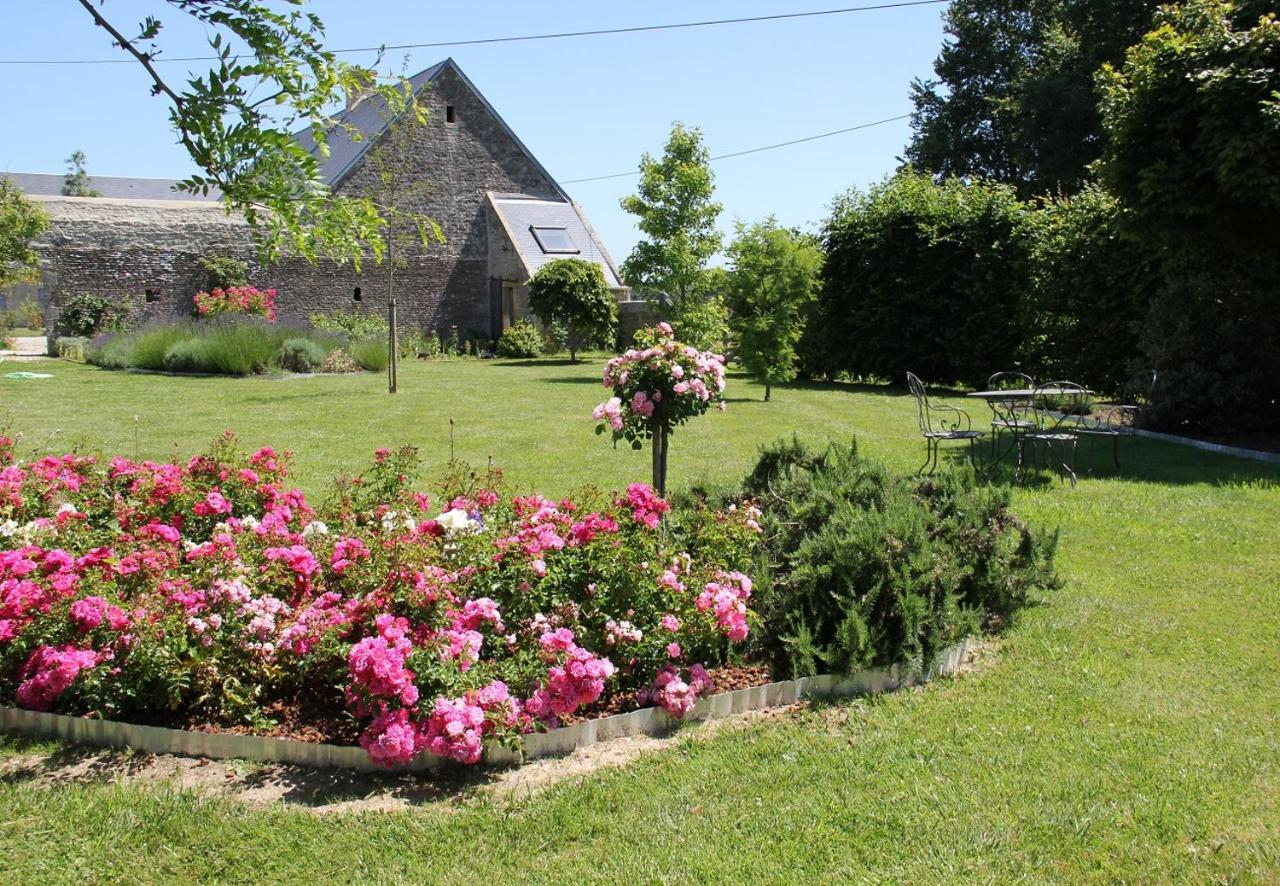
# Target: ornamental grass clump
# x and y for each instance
(655, 389)
(872, 569)
(211, 591)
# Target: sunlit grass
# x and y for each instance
(1126, 730)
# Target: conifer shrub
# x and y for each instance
(870, 569)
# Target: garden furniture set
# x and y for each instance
(1036, 418)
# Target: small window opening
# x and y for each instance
(153, 295)
(356, 296)
(449, 115)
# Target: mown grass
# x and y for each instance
(1127, 729)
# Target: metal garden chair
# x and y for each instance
(939, 422)
(1055, 406)
(1010, 416)
(1115, 420)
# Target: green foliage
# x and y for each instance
(300, 355)
(1193, 117)
(416, 343)
(236, 122)
(1194, 121)
(187, 355)
(921, 277)
(371, 354)
(76, 181)
(21, 222)
(353, 324)
(773, 278)
(871, 569)
(88, 314)
(30, 314)
(1013, 99)
(150, 345)
(71, 348)
(574, 292)
(1090, 292)
(676, 214)
(521, 339)
(222, 272)
(702, 323)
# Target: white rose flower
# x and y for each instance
(314, 528)
(8, 528)
(456, 521)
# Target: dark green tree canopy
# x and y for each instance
(575, 293)
(1193, 116)
(1013, 96)
(675, 211)
(772, 280)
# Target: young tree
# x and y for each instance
(773, 277)
(575, 293)
(236, 122)
(675, 211)
(21, 221)
(76, 182)
(403, 230)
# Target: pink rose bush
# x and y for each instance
(664, 384)
(212, 591)
(237, 300)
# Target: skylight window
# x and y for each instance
(554, 240)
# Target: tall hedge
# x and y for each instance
(921, 276)
(1091, 288)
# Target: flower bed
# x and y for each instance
(211, 592)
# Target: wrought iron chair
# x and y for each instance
(939, 422)
(1056, 429)
(1010, 416)
(1120, 419)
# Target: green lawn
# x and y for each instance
(1127, 729)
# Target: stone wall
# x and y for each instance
(145, 253)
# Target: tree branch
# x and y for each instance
(127, 45)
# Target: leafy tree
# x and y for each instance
(773, 278)
(1193, 117)
(921, 276)
(395, 189)
(1013, 97)
(675, 211)
(273, 76)
(76, 182)
(575, 293)
(21, 221)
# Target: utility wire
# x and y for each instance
(796, 141)
(517, 39)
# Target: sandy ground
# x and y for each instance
(326, 791)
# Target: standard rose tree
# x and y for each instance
(657, 388)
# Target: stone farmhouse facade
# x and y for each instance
(502, 214)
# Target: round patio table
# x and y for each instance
(1003, 401)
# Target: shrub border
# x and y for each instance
(556, 742)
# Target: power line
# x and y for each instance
(518, 39)
(796, 141)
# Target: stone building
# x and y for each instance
(502, 215)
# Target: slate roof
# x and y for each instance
(519, 213)
(39, 184)
(369, 119)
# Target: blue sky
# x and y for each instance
(585, 106)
